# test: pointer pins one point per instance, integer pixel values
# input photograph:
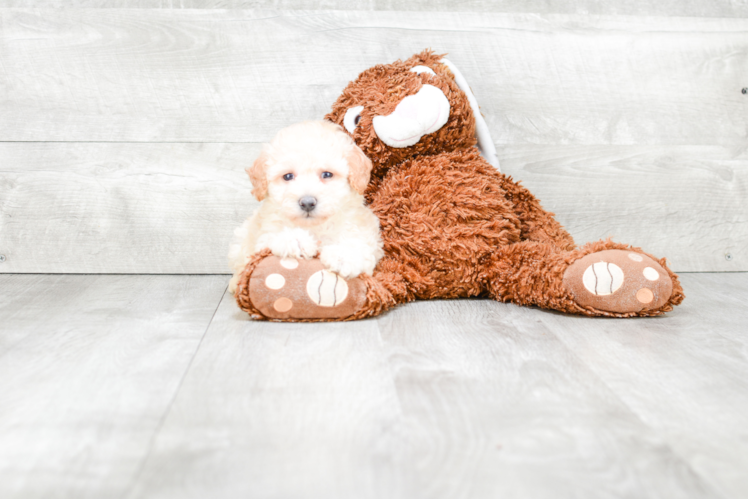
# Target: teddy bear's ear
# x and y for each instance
(258, 177)
(482, 134)
(359, 169)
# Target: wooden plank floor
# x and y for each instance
(158, 386)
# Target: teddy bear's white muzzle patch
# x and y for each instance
(415, 116)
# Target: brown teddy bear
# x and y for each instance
(452, 224)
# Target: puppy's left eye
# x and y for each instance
(326, 175)
(288, 177)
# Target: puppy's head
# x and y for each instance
(310, 170)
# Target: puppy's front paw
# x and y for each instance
(295, 242)
(345, 261)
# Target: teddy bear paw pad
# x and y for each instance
(618, 281)
(303, 289)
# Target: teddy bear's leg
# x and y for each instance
(272, 288)
(598, 279)
(537, 224)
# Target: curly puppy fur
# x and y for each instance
(311, 180)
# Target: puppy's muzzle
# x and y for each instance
(307, 203)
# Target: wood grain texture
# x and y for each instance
(172, 208)
(280, 410)
(88, 367)
(496, 406)
(464, 398)
(685, 375)
(467, 398)
(122, 208)
(698, 8)
(239, 75)
(686, 203)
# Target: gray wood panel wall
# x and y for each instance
(124, 132)
(697, 8)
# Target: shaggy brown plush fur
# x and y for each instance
(452, 225)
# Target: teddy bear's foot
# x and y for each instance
(298, 289)
(622, 282)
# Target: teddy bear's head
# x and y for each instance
(408, 108)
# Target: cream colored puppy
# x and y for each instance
(310, 180)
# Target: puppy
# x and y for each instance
(310, 180)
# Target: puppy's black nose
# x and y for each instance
(308, 203)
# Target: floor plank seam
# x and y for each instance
(386, 351)
(167, 410)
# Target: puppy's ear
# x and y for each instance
(257, 176)
(359, 169)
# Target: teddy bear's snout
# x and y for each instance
(415, 116)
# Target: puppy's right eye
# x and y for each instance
(288, 177)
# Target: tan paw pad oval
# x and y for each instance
(283, 305)
(645, 296)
